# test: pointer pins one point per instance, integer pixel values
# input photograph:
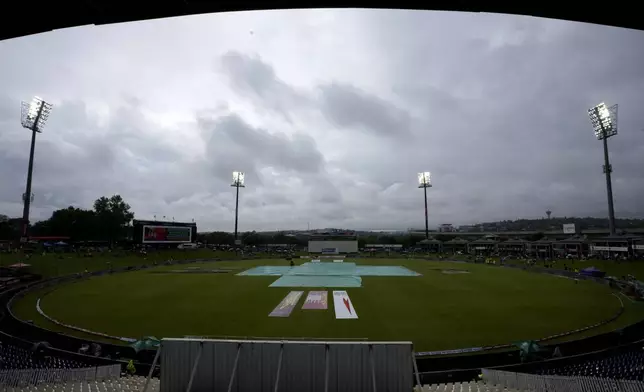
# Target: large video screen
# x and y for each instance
(166, 234)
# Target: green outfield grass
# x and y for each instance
(68, 263)
(489, 305)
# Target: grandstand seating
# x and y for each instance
(13, 357)
(625, 366)
(537, 383)
(122, 384)
(109, 384)
(474, 386)
(22, 371)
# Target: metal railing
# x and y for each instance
(536, 383)
(26, 377)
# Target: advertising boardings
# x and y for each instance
(155, 232)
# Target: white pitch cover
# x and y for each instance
(343, 307)
(338, 261)
(315, 261)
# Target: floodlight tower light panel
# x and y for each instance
(603, 120)
(238, 179)
(612, 110)
(26, 117)
(34, 114)
(424, 180)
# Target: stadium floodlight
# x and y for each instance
(238, 179)
(425, 181)
(604, 121)
(33, 116)
(238, 182)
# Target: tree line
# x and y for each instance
(554, 223)
(109, 220)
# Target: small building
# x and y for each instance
(483, 246)
(638, 247)
(513, 247)
(576, 246)
(333, 245)
(542, 249)
(431, 244)
(455, 245)
(446, 228)
(615, 245)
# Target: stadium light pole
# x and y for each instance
(33, 116)
(238, 182)
(604, 121)
(424, 181)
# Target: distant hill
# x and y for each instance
(556, 223)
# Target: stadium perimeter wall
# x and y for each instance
(247, 365)
(350, 246)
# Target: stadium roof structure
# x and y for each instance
(429, 241)
(618, 238)
(575, 239)
(544, 241)
(515, 241)
(484, 241)
(457, 241)
(25, 18)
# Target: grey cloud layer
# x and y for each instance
(493, 105)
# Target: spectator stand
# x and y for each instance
(483, 247)
(542, 249)
(455, 245)
(615, 247)
(431, 245)
(575, 246)
(513, 247)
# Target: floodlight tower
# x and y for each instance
(424, 181)
(33, 116)
(238, 182)
(604, 121)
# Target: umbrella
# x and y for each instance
(527, 349)
(146, 343)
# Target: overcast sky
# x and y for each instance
(331, 114)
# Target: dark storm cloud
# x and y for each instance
(234, 145)
(331, 113)
(520, 130)
(348, 107)
(251, 76)
(77, 160)
(343, 105)
(275, 198)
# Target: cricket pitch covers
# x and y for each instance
(319, 274)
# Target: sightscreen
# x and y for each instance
(166, 234)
